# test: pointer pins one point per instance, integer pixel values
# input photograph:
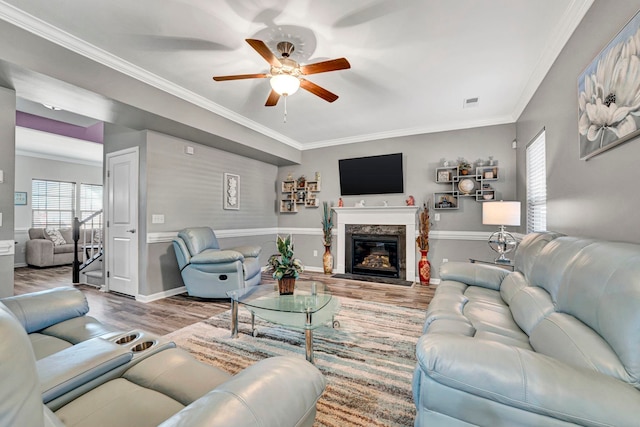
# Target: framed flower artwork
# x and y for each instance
(609, 94)
(231, 191)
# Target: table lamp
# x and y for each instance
(501, 213)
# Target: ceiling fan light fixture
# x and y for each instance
(285, 84)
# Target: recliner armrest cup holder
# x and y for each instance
(142, 344)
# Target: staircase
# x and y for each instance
(88, 237)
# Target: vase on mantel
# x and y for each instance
(327, 260)
(424, 268)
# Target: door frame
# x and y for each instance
(108, 214)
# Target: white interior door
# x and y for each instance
(122, 222)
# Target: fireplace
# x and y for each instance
(400, 221)
(375, 255)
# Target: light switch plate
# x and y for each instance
(157, 219)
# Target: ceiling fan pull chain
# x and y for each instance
(285, 108)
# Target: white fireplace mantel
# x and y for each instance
(379, 215)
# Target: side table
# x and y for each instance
(507, 266)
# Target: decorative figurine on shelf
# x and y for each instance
(411, 201)
(340, 202)
(318, 176)
(302, 181)
(290, 177)
(385, 203)
(360, 204)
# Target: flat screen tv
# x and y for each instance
(371, 175)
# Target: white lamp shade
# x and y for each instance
(501, 213)
(285, 84)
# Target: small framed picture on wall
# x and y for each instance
(20, 198)
(231, 188)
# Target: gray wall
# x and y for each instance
(29, 168)
(7, 165)
(187, 190)
(421, 155)
(594, 198)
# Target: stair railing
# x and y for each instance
(89, 240)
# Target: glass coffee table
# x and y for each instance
(310, 306)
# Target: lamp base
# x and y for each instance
(502, 242)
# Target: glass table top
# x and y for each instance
(308, 297)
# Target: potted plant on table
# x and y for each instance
(424, 266)
(284, 266)
(464, 166)
(327, 226)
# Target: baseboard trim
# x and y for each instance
(160, 295)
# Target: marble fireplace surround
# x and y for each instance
(378, 216)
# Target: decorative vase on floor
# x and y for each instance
(286, 285)
(327, 260)
(424, 267)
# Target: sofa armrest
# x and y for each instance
(216, 257)
(77, 365)
(276, 392)
(39, 310)
(182, 253)
(39, 252)
(527, 380)
(473, 274)
(248, 251)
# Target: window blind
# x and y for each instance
(536, 185)
(52, 203)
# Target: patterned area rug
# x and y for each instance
(368, 361)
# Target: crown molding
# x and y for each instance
(40, 28)
(409, 132)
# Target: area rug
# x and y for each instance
(368, 361)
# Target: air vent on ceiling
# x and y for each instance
(470, 102)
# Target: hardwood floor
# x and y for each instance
(173, 313)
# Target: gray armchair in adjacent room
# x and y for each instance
(207, 270)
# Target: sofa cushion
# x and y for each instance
(78, 329)
(55, 236)
(65, 249)
(530, 306)
(46, 345)
(39, 310)
(168, 371)
(601, 288)
(20, 401)
(118, 403)
(198, 239)
(565, 338)
(528, 250)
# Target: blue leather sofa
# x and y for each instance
(554, 343)
(89, 375)
(208, 271)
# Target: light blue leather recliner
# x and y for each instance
(207, 270)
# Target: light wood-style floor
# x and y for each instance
(173, 313)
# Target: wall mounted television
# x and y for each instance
(371, 175)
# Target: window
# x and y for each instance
(536, 185)
(90, 202)
(52, 203)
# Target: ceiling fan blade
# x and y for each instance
(324, 66)
(264, 51)
(240, 76)
(317, 90)
(273, 98)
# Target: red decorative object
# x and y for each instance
(340, 202)
(411, 201)
(424, 267)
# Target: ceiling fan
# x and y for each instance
(286, 74)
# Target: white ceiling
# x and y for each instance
(413, 62)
